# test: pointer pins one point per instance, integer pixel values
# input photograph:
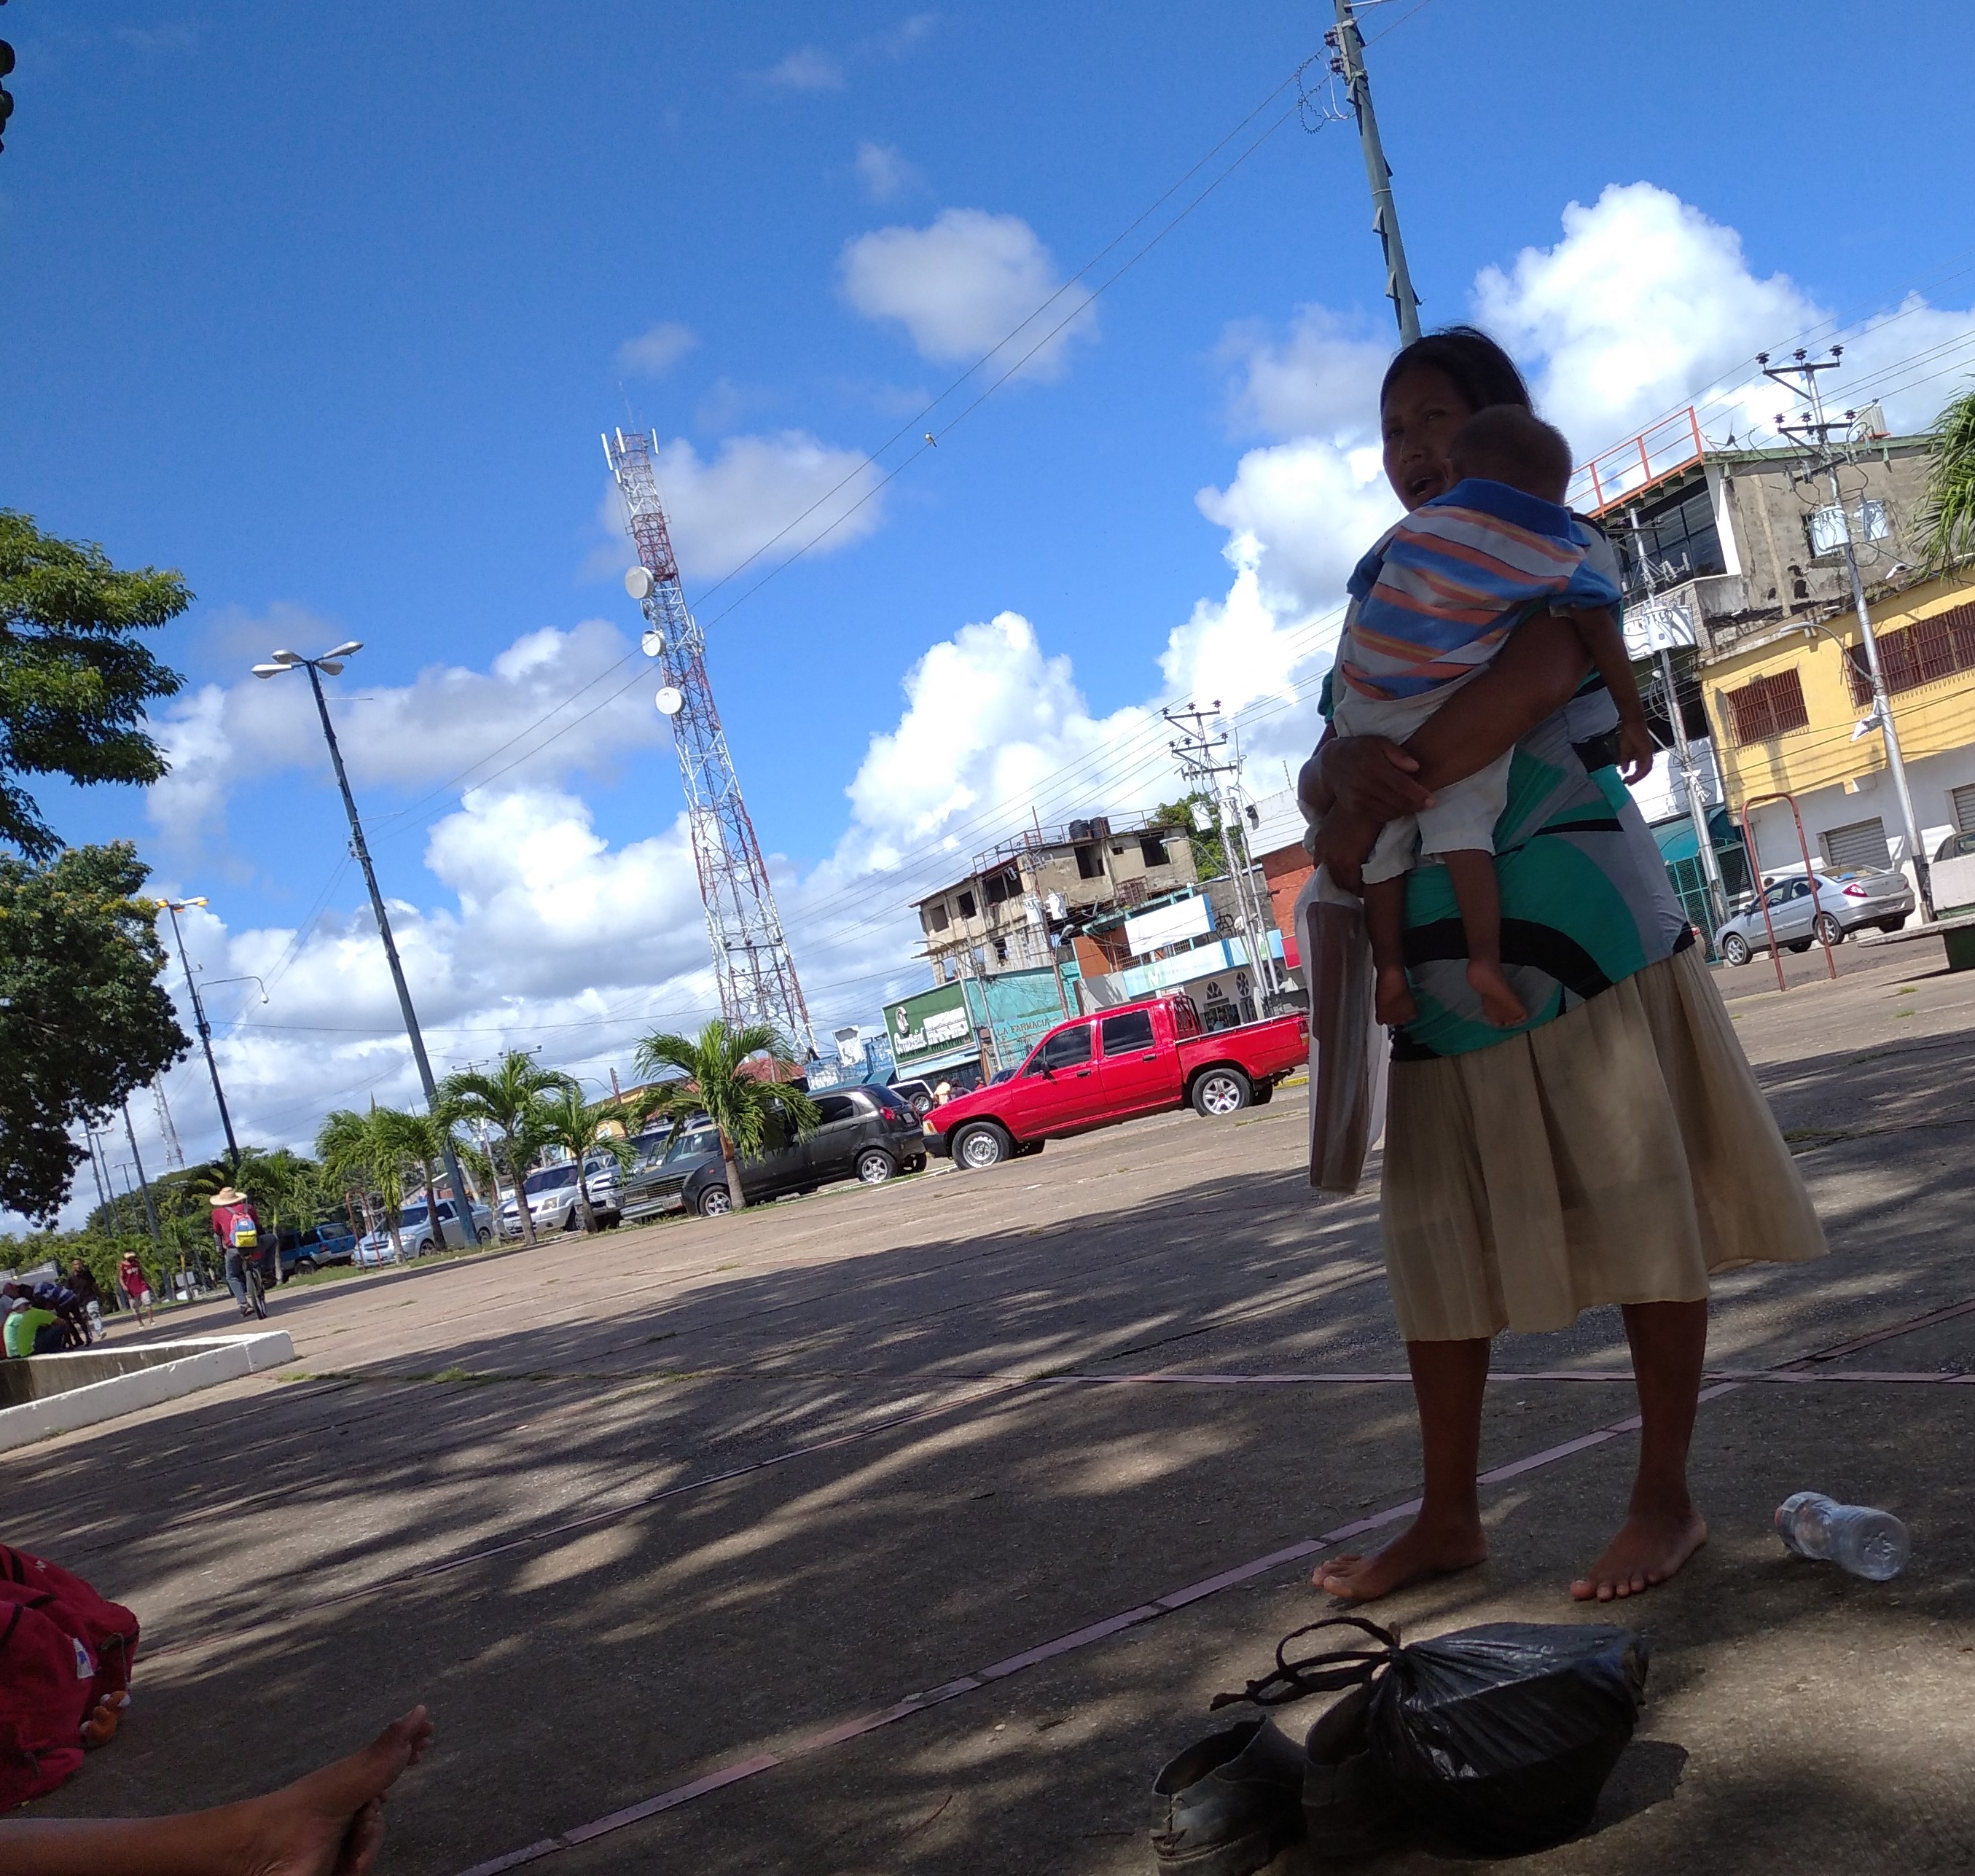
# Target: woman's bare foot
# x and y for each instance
(1420, 1550)
(331, 1822)
(1649, 1547)
(1392, 997)
(1499, 1004)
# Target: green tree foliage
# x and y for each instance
(724, 1080)
(75, 680)
(510, 1099)
(1947, 509)
(100, 1251)
(366, 1153)
(578, 1127)
(84, 1020)
(1210, 857)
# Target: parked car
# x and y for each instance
(870, 1135)
(1097, 1070)
(334, 1243)
(415, 1232)
(918, 1096)
(1953, 874)
(1804, 909)
(551, 1192)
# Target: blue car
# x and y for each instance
(319, 1245)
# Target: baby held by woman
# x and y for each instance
(1436, 598)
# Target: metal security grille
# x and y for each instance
(1917, 655)
(1963, 801)
(1768, 707)
(1861, 844)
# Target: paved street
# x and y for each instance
(633, 1512)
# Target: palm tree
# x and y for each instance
(746, 1108)
(423, 1138)
(365, 1151)
(283, 1186)
(508, 1098)
(1947, 510)
(577, 1126)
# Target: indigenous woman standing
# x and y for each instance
(1614, 1149)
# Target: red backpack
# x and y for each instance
(62, 1648)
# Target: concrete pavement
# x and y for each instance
(643, 1511)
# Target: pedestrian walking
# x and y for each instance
(135, 1286)
(1615, 1148)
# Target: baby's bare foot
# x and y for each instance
(1392, 997)
(1499, 1004)
(1420, 1550)
(1649, 1547)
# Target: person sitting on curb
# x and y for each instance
(32, 1331)
(328, 1824)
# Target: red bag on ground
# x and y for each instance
(62, 1648)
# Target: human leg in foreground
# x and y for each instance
(1662, 1529)
(328, 1824)
(1449, 1379)
(1385, 928)
(1478, 893)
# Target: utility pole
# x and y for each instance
(332, 662)
(95, 1169)
(1690, 770)
(1801, 379)
(1348, 45)
(1199, 755)
(175, 907)
(143, 1184)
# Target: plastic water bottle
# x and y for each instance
(1870, 1544)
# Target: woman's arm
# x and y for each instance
(1357, 783)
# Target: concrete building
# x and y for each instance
(998, 918)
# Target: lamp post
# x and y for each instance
(332, 662)
(175, 907)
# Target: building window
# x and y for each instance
(1001, 951)
(1918, 654)
(1090, 861)
(1152, 849)
(1962, 802)
(1003, 886)
(1861, 844)
(1768, 708)
(935, 915)
(964, 904)
(1680, 535)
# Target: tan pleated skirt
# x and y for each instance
(1623, 1153)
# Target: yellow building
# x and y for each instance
(1785, 706)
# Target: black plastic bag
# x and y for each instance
(1496, 1740)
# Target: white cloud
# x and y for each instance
(655, 352)
(885, 174)
(963, 285)
(808, 68)
(723, 509)
(405, 736)
(1321, 379)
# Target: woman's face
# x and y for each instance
(1423, 411)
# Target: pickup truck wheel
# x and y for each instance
(1220, 1092)
(875, 1166)
(982, 1145)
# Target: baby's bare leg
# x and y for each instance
(1385, 925)
(1478, 893)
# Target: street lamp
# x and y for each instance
(332, 662)
(175, 907)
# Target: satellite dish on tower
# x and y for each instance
(653, 642)
(639, 583)
(670, 701)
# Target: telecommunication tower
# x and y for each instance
(750, 956)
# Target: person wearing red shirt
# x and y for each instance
(238, 1227)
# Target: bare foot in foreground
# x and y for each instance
(1392, 997)
(1419, 1550)
(1649, 1547)
(331, 1822)
(1499, 1004)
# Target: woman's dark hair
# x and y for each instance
(1482, 372)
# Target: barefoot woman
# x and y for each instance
(1615, 1149)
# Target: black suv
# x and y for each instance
(865, 1134)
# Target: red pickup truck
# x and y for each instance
(1141, 1059)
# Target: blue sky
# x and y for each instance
(326, 309)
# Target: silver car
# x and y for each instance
(1824, 906)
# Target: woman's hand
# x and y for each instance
(1340, 843)
(1372, 778)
